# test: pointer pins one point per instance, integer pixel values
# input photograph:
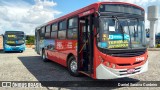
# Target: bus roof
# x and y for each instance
(94, 6)
(13, 32)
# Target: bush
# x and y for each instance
(158, 46)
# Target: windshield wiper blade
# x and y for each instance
(129, 35)
(122, 31)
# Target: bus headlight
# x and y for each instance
(7, 46)
(101, 59)
(22, 45)
(113, 65)
(107, 64)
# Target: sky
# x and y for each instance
(26, 15)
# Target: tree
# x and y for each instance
(30, 39)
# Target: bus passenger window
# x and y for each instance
(47, 35)
(42, 33)
(62, 30)
(62, 25)
(72, 34)
(48, 28)
(43, 30)
(62, 34)
(72, 25)
(54, 34)
(54, 31)
(54, 27)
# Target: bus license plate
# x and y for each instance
(14, 46)
(130, 70)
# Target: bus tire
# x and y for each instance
(72, 66)
(44, 56)
(21, 51)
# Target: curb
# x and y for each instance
(153, 49)
(30, 48)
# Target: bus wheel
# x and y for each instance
(72, 66)
(21, 51)
(44, 56)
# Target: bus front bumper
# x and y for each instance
(14, 49)
(103, 72)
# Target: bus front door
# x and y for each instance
(85, 51)
(37, 35)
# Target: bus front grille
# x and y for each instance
(128, 64)
(124, 64)
(130, 54)
(127, 73)
(137, 63)
(124, 72)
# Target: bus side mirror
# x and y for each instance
(96, 22)
(25, 36)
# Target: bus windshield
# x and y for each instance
(14, 38)
(121, 33)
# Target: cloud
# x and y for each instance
(20, 15)
(40, 12)
(45, 3)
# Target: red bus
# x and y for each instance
(104, 40)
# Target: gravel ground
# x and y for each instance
(28, 66)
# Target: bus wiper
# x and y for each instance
(122, 31)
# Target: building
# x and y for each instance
(1, 42)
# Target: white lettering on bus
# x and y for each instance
(139, 59)
(85, 13)
(59, 45)
(69, 45)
